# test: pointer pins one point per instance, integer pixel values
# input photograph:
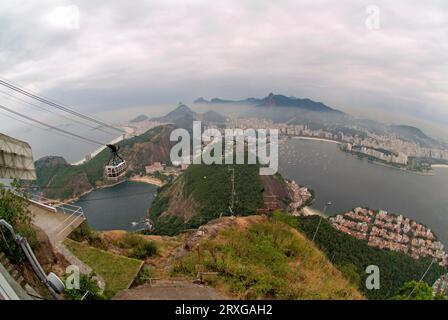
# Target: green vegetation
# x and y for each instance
(84, 233)
(139, 247)
(117, 271)
(285, 218)
(415, 290)
(352, 256)
(62, 180)
(143, 276)
(209, 188)
(88, 289)
(267, 260)
(13, 209)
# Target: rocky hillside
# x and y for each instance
(257, 257)
(60, 180)
(204, 193)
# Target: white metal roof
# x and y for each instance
(16, 159)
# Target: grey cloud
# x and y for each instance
(135, 53)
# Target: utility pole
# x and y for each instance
(233, 193)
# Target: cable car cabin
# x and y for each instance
(115, 171)
(116, 167)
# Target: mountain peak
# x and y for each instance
(276, 100)
(183, 108)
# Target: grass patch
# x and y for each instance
(117, 271)
(270, 260)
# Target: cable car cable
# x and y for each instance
(51, 127)
(56, 105)
(40, 128)
(58, 114)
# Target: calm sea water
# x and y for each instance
(348, 182)
(122, 207)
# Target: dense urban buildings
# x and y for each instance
(389, 231)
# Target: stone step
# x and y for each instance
(3, 258)
(21, 281)
(9, 267)
(15, 274)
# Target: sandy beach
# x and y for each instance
(316, 139)
(308, 211)
(149, 180)
(440, 166)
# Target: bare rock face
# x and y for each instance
(51, 162)
(155, 149)
(44, 250)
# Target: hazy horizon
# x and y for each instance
(114, 57)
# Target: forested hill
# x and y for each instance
(60, 180)
(204, 192)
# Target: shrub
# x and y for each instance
(414, 290)
(85, 233)
(13, 210)
(82, 233)
(130, 240)
(88, 289)
(143, 276)
(144, 250)
(285, 218)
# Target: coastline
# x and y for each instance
(71, 200)
(316, 139)
(375, 161)
(309, 211)
(420, 173)
(378, 162)
(440, 166)
(148, 180)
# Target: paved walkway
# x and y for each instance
(170, 290)
(56, 225)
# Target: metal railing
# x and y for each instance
(73, 212)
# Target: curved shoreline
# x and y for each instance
(316, 139)
(147, 180)
(310, 211)
(440, 166)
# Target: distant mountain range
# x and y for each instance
(139, 118)
(275, 100)
(317, 115)
(183, 117)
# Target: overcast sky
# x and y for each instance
(127, 54)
